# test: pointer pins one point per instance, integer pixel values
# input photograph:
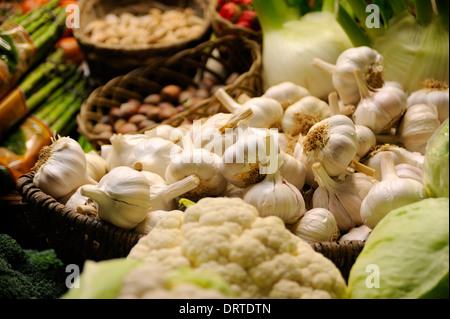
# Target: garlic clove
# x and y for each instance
(292, 170)
(360, 233)
(121, 147)
(96, 165)
(317, 225)
(433, 93)
(405, 170)
(366, 140)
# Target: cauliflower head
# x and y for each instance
(257, 256)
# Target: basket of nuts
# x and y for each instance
(119, 36)
(172, 91)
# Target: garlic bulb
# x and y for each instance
(360, 233)
(162, 196)
(435, 93)
(122, 146)
(167, 132)
(153, 155)
(399, 155)
(317, 225)
(153, 178)
(95, 165)
(104, 151)
(379, 110)
(199, 162)
(61, 168)
(341, 197)
(233, 191)
(274, 196)
(390, 193)
(366, 59)
(409, 171)
(332, 142)
(292, 170)
(150, 221)
(419, 122)
(303, 114)
(247, 161)
(366, 140)
(286, 93)
(77, 200)
(267, 112)
(122, 196)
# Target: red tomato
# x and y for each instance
(230, 11)
(71, 49)
(28, 5)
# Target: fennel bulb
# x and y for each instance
(291, 42)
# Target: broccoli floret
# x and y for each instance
(11, 251)
(33, 274)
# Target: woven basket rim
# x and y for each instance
(253, 71)
(144, 49)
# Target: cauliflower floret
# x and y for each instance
(258, 256)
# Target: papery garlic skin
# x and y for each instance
(366, 140)
(409, 171)
(364, 58)
(153, 178)
(434, 93)
(95, 165)
(332, 142)
(274, 196)
(390, 193)
(122, 196)
(360, 233)
(417, 125)
(317, 225)
(61, 168)
(299, 117)
(286, 93)
(292, 170)
(152, 155)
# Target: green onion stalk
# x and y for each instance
(293, 37)
(412, 36)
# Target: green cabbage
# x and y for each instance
(406, 256)
(436, 172)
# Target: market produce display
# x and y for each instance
(346, 143)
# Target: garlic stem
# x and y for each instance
(180, 187)
(227, 101)
(322, 178)
(333, 102)
(323, 65)
(387, 166)
(363, 90)
(360, 167)
(241, 115)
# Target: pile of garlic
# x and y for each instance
(320, 166)
(158, 26)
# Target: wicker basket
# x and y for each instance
(77, 237)
(182, 69)
(108, 61)
(222, 27)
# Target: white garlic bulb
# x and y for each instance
(122, 196)
(299, 117)
(200, 162)
(366, 59)
(167, 132)
(434, 93)
(77, 199)
(417, 125)
(267, 112)
(286, 93)
(274, 196)
(317, 225)
(151, 220)
(399, 155)
(153, 178)
(292, 169)
(153, 155)
(342, 198)
(366, 140)
(390, 193)
(332, 142)
(95, 165)
(122, 146)
(245, 162)
(379, 110)
(233, 191)
(61, 168)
